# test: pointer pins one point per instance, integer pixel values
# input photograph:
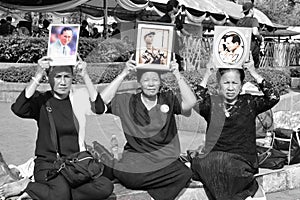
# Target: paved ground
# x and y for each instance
(285, 195)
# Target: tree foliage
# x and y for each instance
(285, 12)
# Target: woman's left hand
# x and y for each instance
(174, 67)
(249, 65)
(81, 67)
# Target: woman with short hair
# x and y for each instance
(69, 108)
(228, 163)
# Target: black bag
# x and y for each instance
(270, 158)
(104, 156)
(78, 168)
(292, 147)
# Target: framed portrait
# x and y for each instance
(154, 45)
(231, 46)
(63, 43)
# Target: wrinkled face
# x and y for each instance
(60, 79)
(230, 45)
(149, 39)
(66, 37)
(230, 85)
(150, 83)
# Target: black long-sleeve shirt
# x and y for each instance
(65, 122)
(234, 133)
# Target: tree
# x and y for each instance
(285, 12)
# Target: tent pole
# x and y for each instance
(105, 19)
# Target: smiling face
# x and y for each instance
(150, 84)
(60, 79)
(66, 37)
(230, 85)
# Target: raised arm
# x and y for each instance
(43, 64)
(209, 71)
(271, 95)
(110, 91)
(82, 71)
(187, 95)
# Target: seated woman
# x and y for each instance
(150, 158)
(228, 162)
(68, 109)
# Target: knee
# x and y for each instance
(129, 180)
(105, 187)
(186, 174)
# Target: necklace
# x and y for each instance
(227, 110)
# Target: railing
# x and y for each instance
(280, 55)
(197, 50)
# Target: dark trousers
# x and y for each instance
(162, 184)
(225, 176)
(58, 188)
(255, 50)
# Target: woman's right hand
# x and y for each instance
(130, 66)
(43, 64)
(210, 67)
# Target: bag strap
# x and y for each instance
(53, 133)
(262, 123)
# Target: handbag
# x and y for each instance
(77, 168)
(270, 158)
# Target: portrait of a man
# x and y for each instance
(61, 46)
(151, 54)
(63, 43)
(231, 48)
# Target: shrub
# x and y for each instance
(25, 49)
(279, 79)
(110, 50)
(22, 49)
(295, 72)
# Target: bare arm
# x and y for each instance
(43, 63)
(209, 70)
(250, 67)
(187, 95)
(82, 67)
(110, 91)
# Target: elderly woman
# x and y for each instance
(150, 158)
(68, 109)
(229, 160)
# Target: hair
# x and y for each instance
(46, 23)
(9, 18)
(84, 22)
(247, 12)
(140, 73)
(222, 71)
(235, 38)
(66, 29)
(173, 3)
(114, 25)
(51, 68)
(2, 21)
